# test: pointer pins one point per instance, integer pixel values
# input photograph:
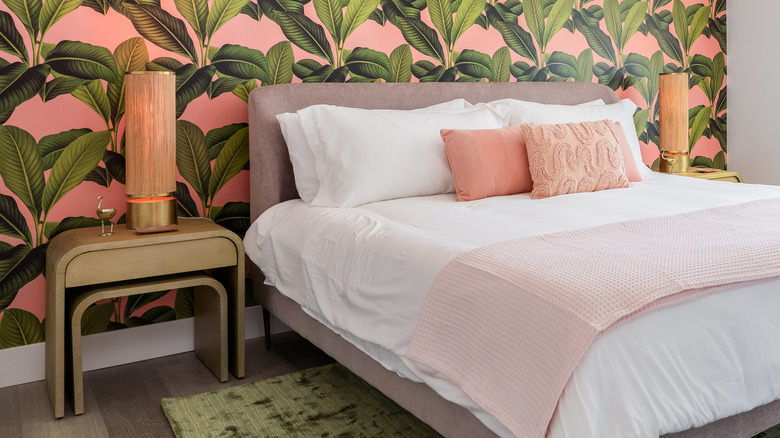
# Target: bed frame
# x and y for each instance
(272, 182)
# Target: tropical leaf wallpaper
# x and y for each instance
(62, 96)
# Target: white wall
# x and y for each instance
(753, 80)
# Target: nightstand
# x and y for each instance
(82, 267)
(717, 175)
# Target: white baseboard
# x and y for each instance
(26, 364)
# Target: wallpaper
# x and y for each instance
(62, 72)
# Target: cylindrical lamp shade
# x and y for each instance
(150, 133)
(673, 121)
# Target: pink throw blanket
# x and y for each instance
(510, 321)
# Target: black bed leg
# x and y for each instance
(267, 328)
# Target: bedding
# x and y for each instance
(302, 157)
(366, 271)
(366, 156)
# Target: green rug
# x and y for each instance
(327, 401)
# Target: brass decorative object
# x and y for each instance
(673, 122)
(150, 119)
(105, 214)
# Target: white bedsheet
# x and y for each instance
(366, 271)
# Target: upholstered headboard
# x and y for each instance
(271, 180)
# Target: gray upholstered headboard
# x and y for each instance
(271, 180)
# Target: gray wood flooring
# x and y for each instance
(124, 401)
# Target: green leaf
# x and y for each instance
(95, 318)
(235, 217)
(59, 86)
(186, 205)
(184, 306)
(253, 10)
(640, 120)
(28, 12)
(638, 65)
(221, 12)
(534, 18)
(559, 14)
(401, 64)
(304, 33)
(93, 95)
(163, 64)
(518, 39)
(680, 21)
(378, 16)
(19, 327)
(475, 64)
(53, 10)
(719, 162)
(563, 65)
(718, 71)
(19, 83)
(668, 43)
(76, 161)
(634, 20)
(84, 61)
(196, 13)
(698, 126)
(51, 146)
(440, 74)
(223, 85)
(241, 62)
(328, 74)
(72, 223)
(135, 302)
(441, 17)
(699, 22)
(596, 38)
(131, 55)
(21, 167)
(465, 16)
(161, 29)
(329, 13)
(99, 6)
(369, 63)
(501, 62)
(243, 91)
(585, 66)
(230, 161)
(18, 267)
(356, 14)
(612, 19)
(12, 223)
(192, 158)
(216, 138)
(191, 82)
(421, 37)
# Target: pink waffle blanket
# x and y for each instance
(509, 322)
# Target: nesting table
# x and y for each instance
(83, 267)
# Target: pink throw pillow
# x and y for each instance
(632, 172)
(487, 162)
(574, 158)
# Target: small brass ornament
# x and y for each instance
(105, 214)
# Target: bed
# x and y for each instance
(272, 183)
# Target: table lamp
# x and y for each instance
(673, 122)
(150, 151)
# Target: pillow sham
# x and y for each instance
(364, 156)
(487, 162)
(574, 158)
(521, 112)
(302, 158)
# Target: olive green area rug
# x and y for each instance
(327, 401)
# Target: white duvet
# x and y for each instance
(365, 272)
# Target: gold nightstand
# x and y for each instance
(716, 175)
(82, 267)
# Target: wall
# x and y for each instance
(755, 153)
(61, 87)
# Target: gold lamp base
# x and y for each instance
(673, 161)
(152, 215)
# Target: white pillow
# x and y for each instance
(522, 112)
(364, 156)
(302, 158)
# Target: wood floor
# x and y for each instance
(124, 401)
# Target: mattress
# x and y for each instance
(365, 273)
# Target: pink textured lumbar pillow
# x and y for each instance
(487, 162)
(574, 158)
